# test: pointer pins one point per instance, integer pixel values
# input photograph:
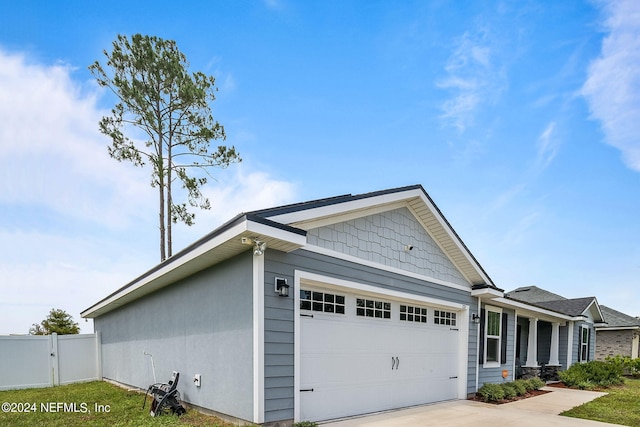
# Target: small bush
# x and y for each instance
(491, 392)
(509, 391)
(521, 388)
(593, 374)
(305, 424)
(627, 365)
(536, 383)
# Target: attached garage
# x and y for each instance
(313, 311)
(361, 351)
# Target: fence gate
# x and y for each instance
(49, 360)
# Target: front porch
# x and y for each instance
(541, 346)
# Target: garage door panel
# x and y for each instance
(357, 364)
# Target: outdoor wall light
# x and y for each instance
(475, 318)
(282, 288)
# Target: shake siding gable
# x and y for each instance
(382, 238)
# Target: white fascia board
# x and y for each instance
(276, 233)
(616, 328)
(343, 207)
(456, 239)
(487, 292)
(534, 309)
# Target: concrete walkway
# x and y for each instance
(535, 411)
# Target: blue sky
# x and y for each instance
(521, 120)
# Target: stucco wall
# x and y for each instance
(201, 325)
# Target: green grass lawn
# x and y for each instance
(620, 406)
(92, 401)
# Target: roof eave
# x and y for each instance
(223, 243)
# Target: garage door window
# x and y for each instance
(321, 301)
(441, 317)
(410, 313)
(373, 308)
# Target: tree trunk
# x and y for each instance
(163, 255)
(169, 203)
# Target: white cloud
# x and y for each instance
(612, 88)
(51, 152)
(473, 78)
(77, 225)
(547, 147)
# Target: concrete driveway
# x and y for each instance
(536, 411)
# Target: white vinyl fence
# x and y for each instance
(48, 360)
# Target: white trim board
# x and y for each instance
(339, 255)
(258, 339)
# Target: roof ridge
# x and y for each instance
(326, 201)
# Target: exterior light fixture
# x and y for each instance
(259, 247)
(282, 288)
(475, 318)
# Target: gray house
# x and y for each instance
(577, 337)
(621, 335)
(327, 309)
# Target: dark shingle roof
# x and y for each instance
(571, 307)
(533, 294)
(617, 319)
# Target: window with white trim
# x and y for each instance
(492, 335)
(441, 317)
(410, 313)
(321, 301)
(373, 308)
(584, 344)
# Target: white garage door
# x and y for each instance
(362, 354)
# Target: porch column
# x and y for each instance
(532, 347)
(555, 344)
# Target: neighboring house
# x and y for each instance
(579, 334)
(621, 336)
(326, 309)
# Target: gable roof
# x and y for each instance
(617, 319)
(331, 210)
(570, 306)
(533, 294)
(284, 228)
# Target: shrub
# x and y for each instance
(509, 390)
(491, 392)
(521, 388)
(627, 365)
(536, 383)
(305, 424)
(593, 374)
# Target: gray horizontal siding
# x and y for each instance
(494, 375)
(279, 312)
